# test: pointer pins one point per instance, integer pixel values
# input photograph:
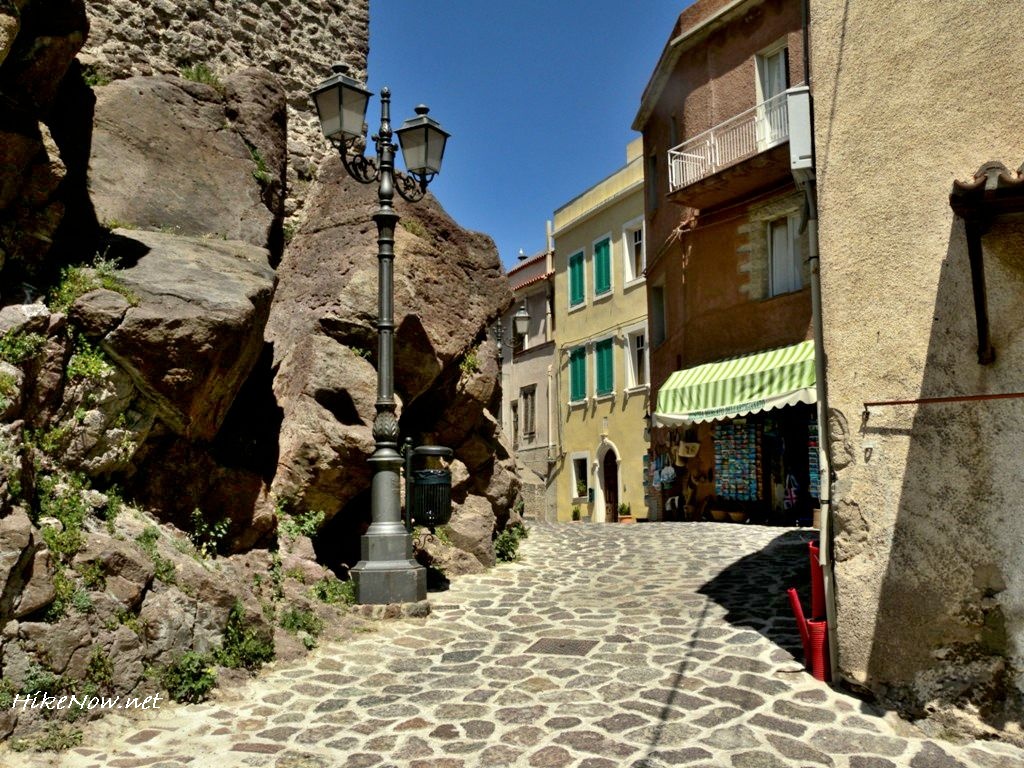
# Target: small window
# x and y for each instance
(656, 314)
(604, 367)
(528, 395)
(580, 483)
(578, 374)
(602, 266)
(635, 260)
(637, 368)
(784, 256)
(577, 286)
(514, 408)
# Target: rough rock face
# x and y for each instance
(197, 330)
(448, 285)
(161, 157)
(38, 41)
(234, 35)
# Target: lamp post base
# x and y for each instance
(388, 573)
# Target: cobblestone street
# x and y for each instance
(662, 644)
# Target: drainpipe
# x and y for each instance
(824, 453)
(809, 186)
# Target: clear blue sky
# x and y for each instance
(538, 95)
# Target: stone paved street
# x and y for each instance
(682, 656)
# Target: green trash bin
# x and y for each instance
(431, 497)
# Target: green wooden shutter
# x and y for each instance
(578, 374)
(576, 279)
(605, 371)
(602, 267)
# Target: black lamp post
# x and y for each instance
(387, 572)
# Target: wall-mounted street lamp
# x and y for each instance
(387, 572)
(520, 327)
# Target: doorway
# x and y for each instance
(610, 477)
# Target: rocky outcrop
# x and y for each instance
(162, 159)
(448, 287)
(38, 41)
(227, 37)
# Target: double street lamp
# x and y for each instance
(387, 572)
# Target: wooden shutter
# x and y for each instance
(578, 374)
(576, 279)
(602, 267)
(605, 372)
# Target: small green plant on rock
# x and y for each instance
(78, 281)
(304, 623)
(331, 590)
(18, 346)
(506, 546)
(201, 73)
(242, 646)
(470, 364)
(207, 537)
(190, 678)
(56, 737)
(299, 524)
(164, 568)
(261, 172)
(60, 497)
(88, 362)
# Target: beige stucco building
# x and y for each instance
(527, 377)
(601, 365)
(929, 496)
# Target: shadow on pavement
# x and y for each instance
(753, 589)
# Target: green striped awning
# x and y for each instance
(738, 386)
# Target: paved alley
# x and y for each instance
(605, 646)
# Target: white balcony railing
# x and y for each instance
(745, 135)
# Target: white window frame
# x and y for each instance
(629, 276)
(794, 255)
(631, 335)
(611, 266)
(583, 456)
(766, 138)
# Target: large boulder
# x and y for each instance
(448, 288)
(166, 154)
(197, 328)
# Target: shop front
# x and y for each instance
(737, 440)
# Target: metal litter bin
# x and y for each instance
(431, 497)
(428, 492)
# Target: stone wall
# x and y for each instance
(297, 40)
(929, 535)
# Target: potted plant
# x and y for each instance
(625, 514)
(581, 489)
(575, 513)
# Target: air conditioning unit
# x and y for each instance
(801, 136)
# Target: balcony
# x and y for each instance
(735, 158)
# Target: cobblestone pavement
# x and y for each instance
(666, 644)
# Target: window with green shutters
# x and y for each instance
(577, 291)
(605, 371)
(578, 374)
(602, 266)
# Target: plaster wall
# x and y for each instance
(602, 211)
(929, 509)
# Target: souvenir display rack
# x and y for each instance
(738, 466)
